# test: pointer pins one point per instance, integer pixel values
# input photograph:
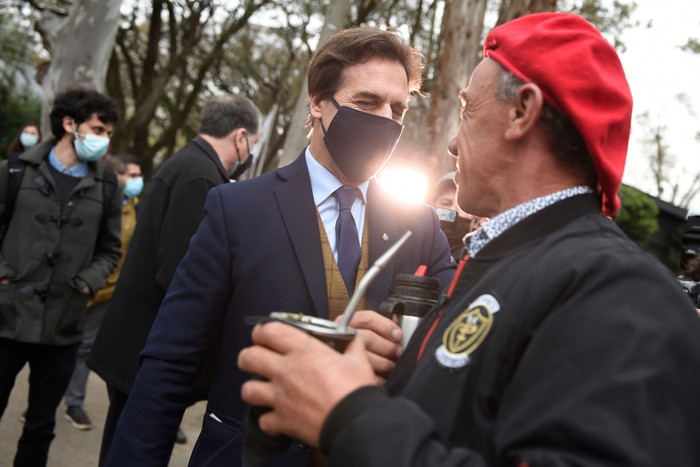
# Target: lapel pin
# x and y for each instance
(385, 237)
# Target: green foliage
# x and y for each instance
(638, 215)
(692, 46)
(17, 54)
(21, 107)
(18, 58)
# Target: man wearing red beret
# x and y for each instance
(563, 343)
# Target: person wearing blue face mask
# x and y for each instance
(27, 137)
(133, 187)
(90, 147)
(128, 171)
(61, 211)
(272, 243)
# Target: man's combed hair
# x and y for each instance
(221, 115)
(80, 104)
(355, 46)
(564, 139)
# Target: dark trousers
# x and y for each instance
(50, 369)
(75, 394)
(117, 401)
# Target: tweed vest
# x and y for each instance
(335, 287)
(338, 295)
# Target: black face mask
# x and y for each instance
(241, 167)
(360, 143)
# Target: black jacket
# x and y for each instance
(565, 345)
(169, 215)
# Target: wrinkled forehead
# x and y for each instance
(487, 75)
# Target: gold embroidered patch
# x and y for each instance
(465, 334)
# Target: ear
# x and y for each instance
(240, 135)
(236, 135)
(69, 124)
(525, 111)
(315, 106)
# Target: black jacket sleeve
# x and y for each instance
(184, 213)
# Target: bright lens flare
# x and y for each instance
(405, 184)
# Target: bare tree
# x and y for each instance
(660, 160)
(690, 192)
(170, 55)
(511, 9)
(662, 165)
(80, 40)
(336, 18)
(458, 58)
(162, 69)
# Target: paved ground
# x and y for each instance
(73, 448)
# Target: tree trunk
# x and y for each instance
(458, 58)
(511, 9)
(80, 45)
(295, 141)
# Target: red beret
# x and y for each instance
(581, 76)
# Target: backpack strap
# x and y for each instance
(15, 172)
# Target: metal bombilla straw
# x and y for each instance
(368, 278)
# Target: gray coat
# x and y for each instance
(46, 262)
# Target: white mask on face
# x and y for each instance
(91, 148)
(28, 140)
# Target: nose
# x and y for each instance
(386, 112)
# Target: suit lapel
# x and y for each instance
(296, 204)
(383, 233)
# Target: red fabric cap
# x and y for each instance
(580, 75)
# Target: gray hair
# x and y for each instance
(223, 114)
(564, 140)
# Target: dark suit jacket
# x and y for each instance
(169, 215)
(257, 250)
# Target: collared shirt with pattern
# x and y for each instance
(507, 219)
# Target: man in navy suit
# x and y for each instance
(269, 244)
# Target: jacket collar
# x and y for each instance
(202, 144)
(543, 223)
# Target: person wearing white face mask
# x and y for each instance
(27, 137)
(61, 215)
(128, 171)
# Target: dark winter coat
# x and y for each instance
(51, 250)
(169, 214)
